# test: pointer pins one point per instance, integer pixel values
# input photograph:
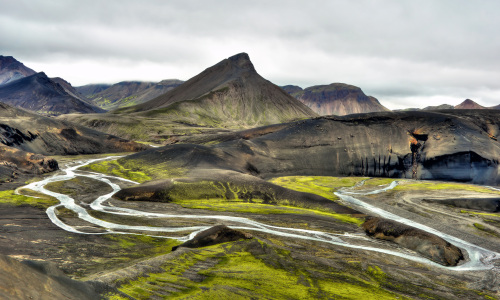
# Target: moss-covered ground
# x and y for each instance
(253, 270)
(258, 207)
(321, 185)
(135, 170)
(27, 197)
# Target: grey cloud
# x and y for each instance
(391, 47)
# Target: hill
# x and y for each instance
(336, 99)
(469, 104)
(128, 93)
(413, 144)
(43, 95)
(11, 70)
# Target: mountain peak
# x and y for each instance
(241, 59)
(11, 69)
(469, 104)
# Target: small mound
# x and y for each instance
(214, 235)
(427, 244)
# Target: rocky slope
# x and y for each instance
(336, 99)
(35, 280)
(30, 132)
(227, 96)
(11, 70)
(43, 95)
(128, 93)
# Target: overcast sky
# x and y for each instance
(405, 53)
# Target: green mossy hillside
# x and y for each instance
(250, 270)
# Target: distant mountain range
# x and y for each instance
(335, 99)
(126, 93)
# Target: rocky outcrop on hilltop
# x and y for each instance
(42, 95)
(11, 70)
(336, 99)
(427, 244)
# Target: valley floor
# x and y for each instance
(269, 266)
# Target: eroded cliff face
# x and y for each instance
(457, 146)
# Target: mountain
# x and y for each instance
(232, 90)
(11, 70)
(469, 104)
(230, 95)
(438, 107)
(70, 89)
(336, 99)
(43, 95)
(90, 90)
(128, 93)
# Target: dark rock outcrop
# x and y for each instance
(214, 235)
(427, 244)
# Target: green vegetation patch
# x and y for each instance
(27, 198)
(113, 167)
(258, 206)
(320, 185)
(432, 185)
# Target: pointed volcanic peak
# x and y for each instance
(469, 104)
(337, 99)
(128, 93)
(230, 93)
(43, 95)
(11, 70)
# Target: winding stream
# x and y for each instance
(479, 258)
